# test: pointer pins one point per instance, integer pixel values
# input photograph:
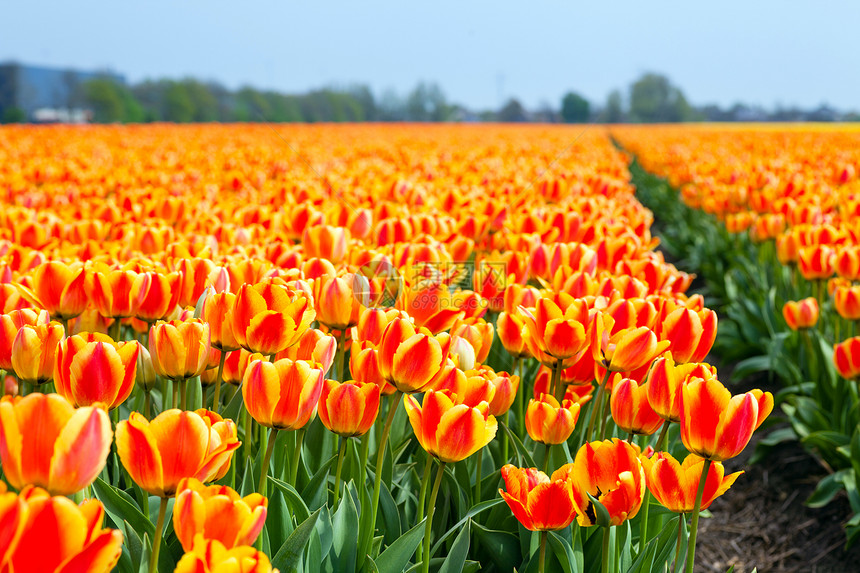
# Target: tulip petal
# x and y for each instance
(138, 451)
(80, 451)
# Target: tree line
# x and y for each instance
(652, 98)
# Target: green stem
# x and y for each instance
(661, 439)
(116, 330)
(606, 414)
(216, 398)
(598, 404)
(505, 438)
(681, 520)
(183, 393)
(604, 564)
(340, 455)
(479, 459)
(147, 404)
(556, 387)
(520, 399)
(813, 358)
(643, 526)
(691, 544)
(547, 448)
(159, 531)
(340, 354)
(428, 528)
(268, 437)
(542, 559)
(380, 456)
(297, 457)
(422, 495)
(249, 436)
(365, 448)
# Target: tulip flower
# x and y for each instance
(269, 316)
(539, 502)
(55, 535)
(626, 350)
(432, 306)
(179, 349)
(846, 299)
(45, 442)
(675, 484)
(217, 311)
(847, 262)
(611, 472)
(326, 242)
(13, 519)
(34, 350)
(60, 289)
(512, 333)
(555, 335)
(447, 430)
(210, 556)
(800, 315)
(690, 333)
(314, 346)
(630, 408)
(217, 512)
(155, 295)
(176, 444)
(478, 332)
(282, 395)
(111, 293)
(549, 422)
(348, 409)
(664, 383)
(91, 369)
(409, 360)
(336, 304)
(816, 262)
(846, 358)
(10, 324)
(717, 425)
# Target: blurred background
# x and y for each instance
(382, 60)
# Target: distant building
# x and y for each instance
(46, 94)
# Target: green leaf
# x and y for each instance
(345, 536)
(503, 547)
(476, 509)
(397, 555)
(120, 507)
(288, 558)
(659, 550)
(826, 490)
(234, 408)
(526, 459)
(456, 559)
(316, 492)
(293, 499)
(390, 515)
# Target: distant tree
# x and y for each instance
(103, 96)
(252, 105)
(364, 97)
(391, 106)
(203, 102)
(653, 98)
(426, 102)
(575, 108)
(178, 105)
(13, 115)
(614, 110)
(512, 112)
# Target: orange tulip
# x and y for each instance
(691, 333)
(506, 387)
(176, 444)
(13, 519)
(372, 323)
(630, 408)
(210, 556)
(155, 295)
(800, 314)
(431, 306)
(348, 409)
(512, 333)
(846, 358)
(284, 394)
(449, 431)
(846, 299)
(664, 383)
(45, 442)
(217, 512)
(539, 502)
(409, 360)
(364, 367)
(60, 289)
(58, 536)
(179, 349)
(198, 274)
(717, 425)
(10, 324)
(314, 346)
(549, 422)
(91, 369)
(326, 242)
(269, 316)
(817, 262)
(217, 311)
(34, 350)
(626, 350)
(675, 484)
(336, 305)
(111, 292)
(554, 334)
(847, 262)
(611, 472)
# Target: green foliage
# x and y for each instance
(575, 108)
(653, 99)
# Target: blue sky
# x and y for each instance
(765, 52)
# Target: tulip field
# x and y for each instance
(414, 348)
